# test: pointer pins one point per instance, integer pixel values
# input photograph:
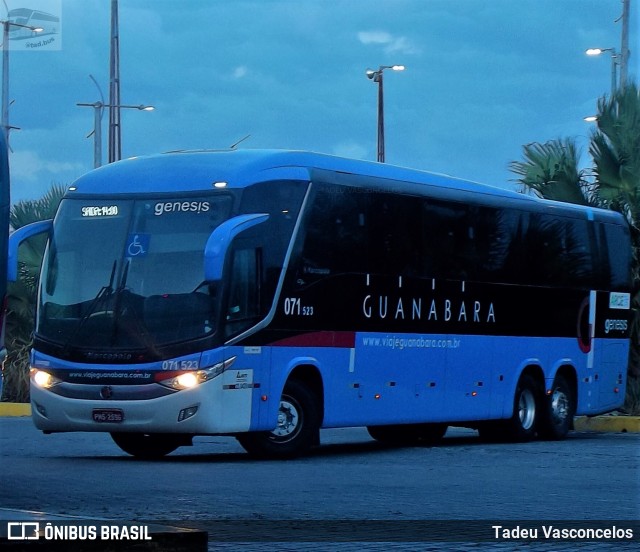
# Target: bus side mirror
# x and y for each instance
(17, 237)
(220, 240)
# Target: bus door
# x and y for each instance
(610, 345)
(247, 377)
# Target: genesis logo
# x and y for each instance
(106, 392)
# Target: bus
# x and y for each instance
(4, 237)
(268, 294)
(23, 20)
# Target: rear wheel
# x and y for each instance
(524, 422)
(408, 434)
(149, 445)
(297, 429)
(558, 410)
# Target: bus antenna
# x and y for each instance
(234, 146)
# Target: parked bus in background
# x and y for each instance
(4, 236)
(24, 18)
(269, 294)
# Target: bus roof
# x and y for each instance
(194, 171)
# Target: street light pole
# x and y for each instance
(5, 72)
(97, 125)
(625, 53)
(376, 76)
(615, 61)
(97, 135)
(378, 79)
(5, 80)
(115, 150)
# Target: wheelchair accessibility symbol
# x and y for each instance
(137, 245)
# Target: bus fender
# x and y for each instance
(297, 367)
(564, 365)
(300, 362)
(532, 366)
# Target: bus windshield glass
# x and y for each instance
(128, 274)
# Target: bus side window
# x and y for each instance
(394, 243)
(244, 293)
(497, 234)
(619, 257)
(579, 255)
(449, 240)
(334, 236)
(539, 256)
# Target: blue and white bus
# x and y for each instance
(24, 20)
(269, 294)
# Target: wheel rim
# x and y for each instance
(527, 409)
(559, 406)
(289, 420)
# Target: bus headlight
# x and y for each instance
(187, 381)
(43, 379)
(191, 379)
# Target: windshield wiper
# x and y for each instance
(123, 305)
(103, 293)
(118, 302)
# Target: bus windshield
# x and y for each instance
(128, 274)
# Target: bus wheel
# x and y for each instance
(558, 410)
(408, 434)
(523, 424)
(148, 446)
(297, 429)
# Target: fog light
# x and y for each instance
(187, 413)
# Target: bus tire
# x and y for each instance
(298, 426)
(558, 410)
(408, 434)
(523, 424)
(148, 446)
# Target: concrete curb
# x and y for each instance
(608, 424)
(15, 409)
(602, 424)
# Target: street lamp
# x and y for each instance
(97, 125)
(5, 72)
(615, 61)
(376, 76)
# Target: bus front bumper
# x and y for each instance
(213, 407)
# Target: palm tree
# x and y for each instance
(551, 170)
(615, 148)
(21, 294)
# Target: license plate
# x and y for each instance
(109, 416)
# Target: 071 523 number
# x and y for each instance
(180, 365)
(294, 307)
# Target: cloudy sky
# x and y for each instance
(483, 78)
